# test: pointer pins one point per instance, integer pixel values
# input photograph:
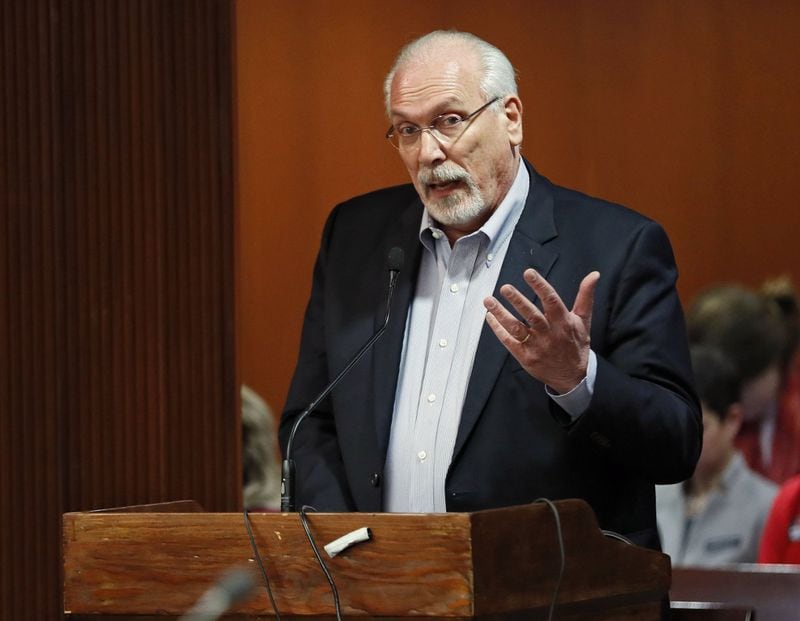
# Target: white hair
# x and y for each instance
(499, 77)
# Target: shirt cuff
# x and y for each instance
(576, 401)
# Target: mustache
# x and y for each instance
(443, 174)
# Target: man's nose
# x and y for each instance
(431, 150)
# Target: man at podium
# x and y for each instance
(536, 344)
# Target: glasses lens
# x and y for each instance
(402, 140)
(448, 126)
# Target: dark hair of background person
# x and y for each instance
(744, 325)
(716, 379)
(783, 295)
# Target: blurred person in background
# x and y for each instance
(260, 465)
(785, 461)
(780, 542)
(750, 330)
(716, 517)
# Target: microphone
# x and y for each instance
(394, 262)
(234, 586)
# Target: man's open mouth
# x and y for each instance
(443, 185)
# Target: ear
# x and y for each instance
(513, 112)
(734, 419)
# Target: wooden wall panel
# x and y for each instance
(31, 385)
(685, 111)
(117, 375)
(149, 245)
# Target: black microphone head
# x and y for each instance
(395, 259)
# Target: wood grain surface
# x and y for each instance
(491, 564)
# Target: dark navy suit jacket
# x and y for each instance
(514, 445)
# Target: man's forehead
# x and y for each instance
(435, 79)
(420, 75)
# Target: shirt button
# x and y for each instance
(431, 398)
(422, 455)
(454, 288)
(442, 342)
(436, 234)
(490, 257)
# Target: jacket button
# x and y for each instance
(375, 480)
(600, 439)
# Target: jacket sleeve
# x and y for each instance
(644, 413)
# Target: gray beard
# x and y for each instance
(460, 208)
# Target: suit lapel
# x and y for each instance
(387, 354)
(536, 226)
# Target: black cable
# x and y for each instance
(395, 261)
(560, 535)
(334, 590)
(264, 576)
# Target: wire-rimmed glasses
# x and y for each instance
(445, 128)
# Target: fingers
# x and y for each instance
(512, 343)
(552, 305)
(553, 311)
(503, 322)
(585, 298)
(525, 307)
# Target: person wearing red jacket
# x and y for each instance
(780, 541)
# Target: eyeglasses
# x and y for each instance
(445, 128)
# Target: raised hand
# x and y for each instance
(552, 344)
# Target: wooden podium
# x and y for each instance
(500, 564)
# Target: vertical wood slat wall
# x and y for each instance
(117, 382)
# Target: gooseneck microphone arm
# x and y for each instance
(395, 263)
